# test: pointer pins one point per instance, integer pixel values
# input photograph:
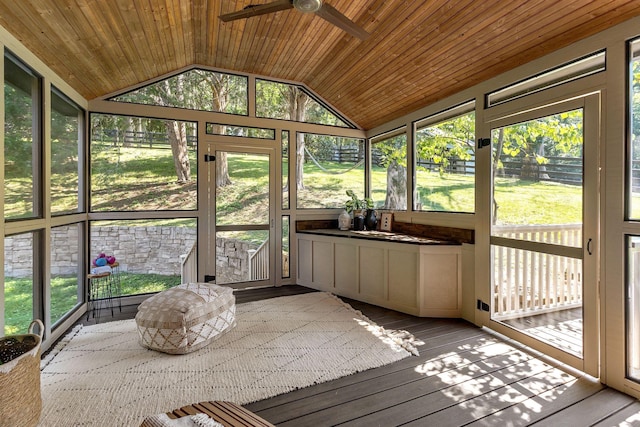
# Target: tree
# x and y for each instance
(393, 156)
(168, 93)
(297, 100)
(447, 141)
(197, 90)
(533, 141)
(218, 84)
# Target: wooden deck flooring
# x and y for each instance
(562, 329)
(464, 376)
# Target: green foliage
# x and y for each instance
(273, 100)
(356, 204)
(18, 129)
(392, 150)
(555, 135)
(195, 90)
(448, 140)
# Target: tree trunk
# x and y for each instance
(297, 100)
(494, 172)
(222, 170)
(542, 169)
(529, 170)
(177, 133)
(300, 161)
(396, 187)
(220, 92)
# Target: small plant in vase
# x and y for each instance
(356, 207)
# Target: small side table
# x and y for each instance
(103, 288)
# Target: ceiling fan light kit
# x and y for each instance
(307, 6)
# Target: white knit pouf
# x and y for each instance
(186, 318)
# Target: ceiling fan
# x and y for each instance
(320, 8)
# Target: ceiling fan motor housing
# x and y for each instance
(307, 6)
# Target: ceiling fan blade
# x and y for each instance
(330, 14)
(261, 9)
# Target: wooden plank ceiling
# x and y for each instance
(418, 51)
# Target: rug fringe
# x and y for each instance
(400, 337)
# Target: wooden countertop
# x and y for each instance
(379, 235)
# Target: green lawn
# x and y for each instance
(64, 296)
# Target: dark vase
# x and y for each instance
(370, 220)
(358, 223)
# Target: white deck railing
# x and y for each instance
(189, 265)
(528, 282)
(259, 262)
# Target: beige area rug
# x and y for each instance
(99, 375)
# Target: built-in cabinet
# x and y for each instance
(423, 280)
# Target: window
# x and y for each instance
(195, 90)
(633, 213)
(21, 283)
(445, 161)
(22, 141)
(285, 246)
(289, 102)
(148, 252)
(389, 171)
(240, 131)
(633, 152)
(564, 73)
(67, 273)
(284, 158)
(538, 176)
(328, 166)
(131, 155)
(633, 307)
(67, 125)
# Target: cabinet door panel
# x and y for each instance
(323, 264)
(440, 277)
(403, 277)
(372, 268)
(304, 262)
(346, 267)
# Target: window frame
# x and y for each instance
(442, 116)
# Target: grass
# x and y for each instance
(121, 179)
(64, 296)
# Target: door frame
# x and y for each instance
(208, 258)
(517, 112)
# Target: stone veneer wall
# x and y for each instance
(149, 249)
(232, 260)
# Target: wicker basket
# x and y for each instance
(20, 398)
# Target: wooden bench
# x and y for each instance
(226, 413)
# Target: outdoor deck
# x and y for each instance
(562, 329)
(464, 375)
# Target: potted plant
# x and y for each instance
(356, 207)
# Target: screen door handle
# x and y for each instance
(589, 246)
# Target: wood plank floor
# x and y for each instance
(562, 329)
(464, 376)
